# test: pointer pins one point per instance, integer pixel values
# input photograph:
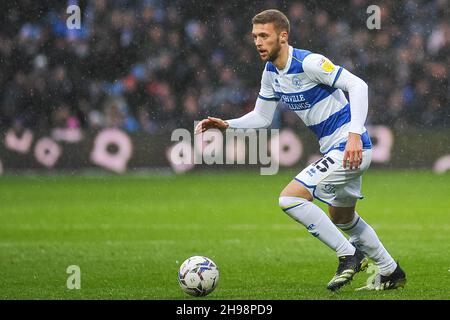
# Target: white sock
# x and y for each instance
(317, 223)
(364, 238)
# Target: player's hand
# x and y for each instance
(353, 151)
(210, 123)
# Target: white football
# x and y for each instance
(198, 276)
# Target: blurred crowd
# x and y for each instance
(153, 65)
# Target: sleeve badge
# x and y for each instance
(327, 65)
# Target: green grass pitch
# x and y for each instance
(130, 234)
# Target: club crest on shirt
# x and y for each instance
(296, 81)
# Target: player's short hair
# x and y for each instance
(278, 18)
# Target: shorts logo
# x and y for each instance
(311, 172)
(329, 188)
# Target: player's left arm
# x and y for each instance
(322, 70)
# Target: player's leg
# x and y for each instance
(364, 237)
(347, 190)
(331, 189)
(296, 201)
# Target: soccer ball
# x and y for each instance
(198, 276)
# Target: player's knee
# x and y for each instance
(283, 201)
(287, 203)
(341, 216)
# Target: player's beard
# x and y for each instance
(273, 55)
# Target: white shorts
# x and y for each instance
(329, 182)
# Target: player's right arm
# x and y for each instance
(260, 117)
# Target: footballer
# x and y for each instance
(312, 87)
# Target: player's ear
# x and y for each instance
(283, 37)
